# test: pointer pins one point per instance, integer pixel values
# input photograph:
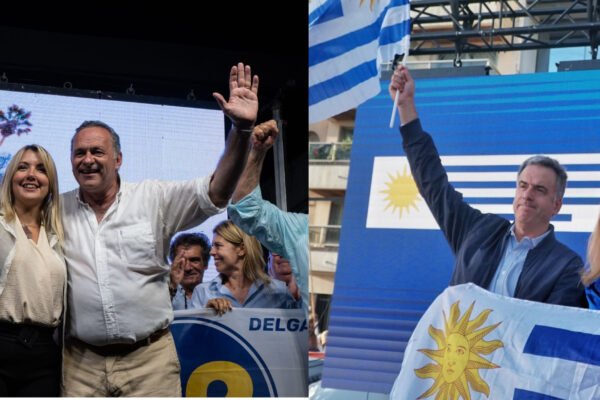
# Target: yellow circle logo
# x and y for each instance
(237, 381)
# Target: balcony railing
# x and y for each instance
(321, 151)
(324, 236)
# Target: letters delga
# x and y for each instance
(277, 325)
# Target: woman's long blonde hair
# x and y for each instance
(50, 205)
(254, 263)
(593, 256)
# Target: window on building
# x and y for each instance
(568, 54)
(335, 221)
(346, 134)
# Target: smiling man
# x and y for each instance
(521, 259)
(117, 233)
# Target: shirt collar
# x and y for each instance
(78, 195)
(527, 241)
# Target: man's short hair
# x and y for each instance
(191, 239)
(99, 124)
(559, 170)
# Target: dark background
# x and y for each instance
(169, 51)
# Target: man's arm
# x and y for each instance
(242, 109)
(263, 137)
(453, 215)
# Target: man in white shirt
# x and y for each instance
(117, 233)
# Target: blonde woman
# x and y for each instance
(242, 280)
(32, 275)
(590, 278)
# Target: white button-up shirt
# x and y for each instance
(117, 272)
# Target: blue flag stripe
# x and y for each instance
(521, 394)
(327, 11)
(342, 83)
(515, 168)
(513, 184)
(509, 200)
(336, 47)
(558, 217)
(391, 34)
(552, 342)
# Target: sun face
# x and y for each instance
(458, 356)
(401, 193)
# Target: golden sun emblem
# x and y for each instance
(401, 192)
(458, 356)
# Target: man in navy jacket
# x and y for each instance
(523, 259)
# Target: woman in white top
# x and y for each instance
(242, 280)
(32, 275)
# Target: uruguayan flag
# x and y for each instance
(474, 344)
(487, 183)
(348, 40)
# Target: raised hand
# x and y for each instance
(264, 135)
(402, 81)
(177, 270)
(280, 269)
(242, 106)
(403, 84)
(220, 305)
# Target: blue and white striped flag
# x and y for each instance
(348, 41)
(488, 183)
(474, 344)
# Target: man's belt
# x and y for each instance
(123, 348)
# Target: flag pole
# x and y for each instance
(395, 63)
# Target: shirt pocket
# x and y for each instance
(137, 245)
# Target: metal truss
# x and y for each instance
(476, 26)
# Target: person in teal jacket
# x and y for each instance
(281, 232)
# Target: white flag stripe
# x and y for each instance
(511, 176)
(583, 218)
(396, 15)
(510, 192)
(494, 208)
(335, 28)
(336, 66)
(387, 52)
(517, 159)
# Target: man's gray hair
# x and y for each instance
(99, 124)
(559, 170)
